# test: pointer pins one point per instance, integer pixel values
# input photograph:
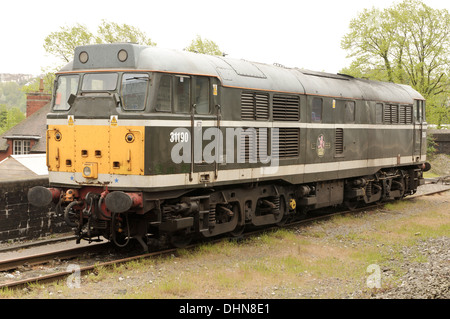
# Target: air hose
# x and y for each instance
(113, 232)
(67, 211)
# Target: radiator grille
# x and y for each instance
(394, 114)
(287, 142)
(405, 114)
(286, 108)
(387, 113)
(254, 106)
(248, 145)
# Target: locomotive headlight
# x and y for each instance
(87, 171)
(90, 170)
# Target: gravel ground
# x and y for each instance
(417, 271)
(423, 280)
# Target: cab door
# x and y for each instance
(207, 139)
(419, 134)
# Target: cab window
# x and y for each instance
(202, 95)
(181, 103)
(65, 86)
(134, 91)
(349, 112)
(419, 111)
(316, 113)
(164, 95)
(379, 113)
(100, 82)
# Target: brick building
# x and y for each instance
(28, 137)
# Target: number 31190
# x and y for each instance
(177, 137)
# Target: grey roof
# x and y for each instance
(23, 166)
(240, 73)
(33, 127)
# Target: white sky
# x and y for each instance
(295, 33)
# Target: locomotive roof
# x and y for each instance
(239, 73)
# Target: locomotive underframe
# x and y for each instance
(175, 217)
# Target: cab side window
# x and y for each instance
(379, 113)
(316, 113)
(134, 91)
(164, 96)
(181, 98)
(202, 95)
(349, 112)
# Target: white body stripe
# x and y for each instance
(209, 123)
(169, 180)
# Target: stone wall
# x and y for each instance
(19, 220)
(442, 139)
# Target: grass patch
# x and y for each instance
(176, 287)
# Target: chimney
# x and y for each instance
(37, 100)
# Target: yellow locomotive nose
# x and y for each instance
(94, 153)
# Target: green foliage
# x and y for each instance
(407, 43)
(431, 145)
(204, 46)
(12, 96)
(34, 85)
(9, 117)
(110, 32)
(438, 110)
(63, 43)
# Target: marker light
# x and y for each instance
(122, 55)
(84, 57)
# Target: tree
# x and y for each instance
(63, 43)
(9, 118)
(12, 96)
(110, 32)
(34, 85)
(204, 46)
(370, 40)
(425, 46)
(407, 43)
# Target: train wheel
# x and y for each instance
(284, 211)
(181, 239)
(351, 204)
(239, 230)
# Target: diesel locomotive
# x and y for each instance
(163, 146)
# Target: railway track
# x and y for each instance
(44, 258)
(76, 252)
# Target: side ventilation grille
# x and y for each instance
(286, 108)
(339, 141)
(254, 106)
(287, 141)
